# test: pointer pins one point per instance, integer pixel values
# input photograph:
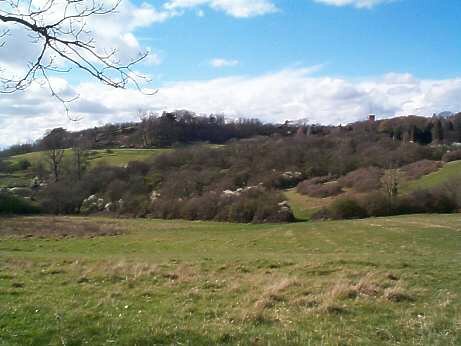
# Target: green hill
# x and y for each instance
(113, 157)
(449, 171)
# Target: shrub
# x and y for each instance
(136, 205)
(346, 208)
(319, 190)
(62, 197)
(363, 179)
(437, 200)
(376, 204)
(4, 166)
(116, 189)
(97, 179)
(24, 164)
(284, 180)
(11, 204)
(137, 168)
(454, 155)
(420, 168)
(250, 206)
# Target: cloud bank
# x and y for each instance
(282, 95)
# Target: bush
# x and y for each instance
(250, 206)
(136, 205)
(137, 168)
(437, 200)
(347, 208)
(319, 190)
(376, 204)
(116, 189)
(363, 179)
(454, 155)
(420, 168)
(62, 197)
(11, 204)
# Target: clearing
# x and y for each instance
(66, 280)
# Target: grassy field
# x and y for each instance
(303, 206)
(113, 157)
(448, 171)
(97, 281)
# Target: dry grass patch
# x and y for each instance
(56, 228)
(275, 293)
(113, 271)
(398, 294)
(371, 285)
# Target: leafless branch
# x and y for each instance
(60, 28)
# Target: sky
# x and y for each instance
(327, 61)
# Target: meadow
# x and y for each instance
(112, 157)
(96, 281)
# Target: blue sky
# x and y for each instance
(327, 61)
(421, 37)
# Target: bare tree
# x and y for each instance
(53, 144)
(80, 157)
(391, 185)
(147, 127)
(60, 29)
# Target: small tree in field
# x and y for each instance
(53, 144)
(79, 158)
(390, 182)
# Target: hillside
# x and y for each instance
(369, 282)
(112, 157)
(371, 168)
(449, 171)
(304, 206)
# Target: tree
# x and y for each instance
(391, 184)
(53, 144)
(79, 157)
(437, 131)
(60, 29)
(147, 126)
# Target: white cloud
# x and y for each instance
(287, 94)
(218, 62)
(235, 8)
(115, 30)
(355, 3)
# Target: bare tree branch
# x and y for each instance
(59, 27)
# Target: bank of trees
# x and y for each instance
(240, 181)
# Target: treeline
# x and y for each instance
(170, 129)
(436, 130)
(184, 127)
(239, 182)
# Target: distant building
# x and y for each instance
(371, 118)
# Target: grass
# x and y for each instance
(113, 157)
(303, 206)
(448, 171)
(121, 157)
(366, 282)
